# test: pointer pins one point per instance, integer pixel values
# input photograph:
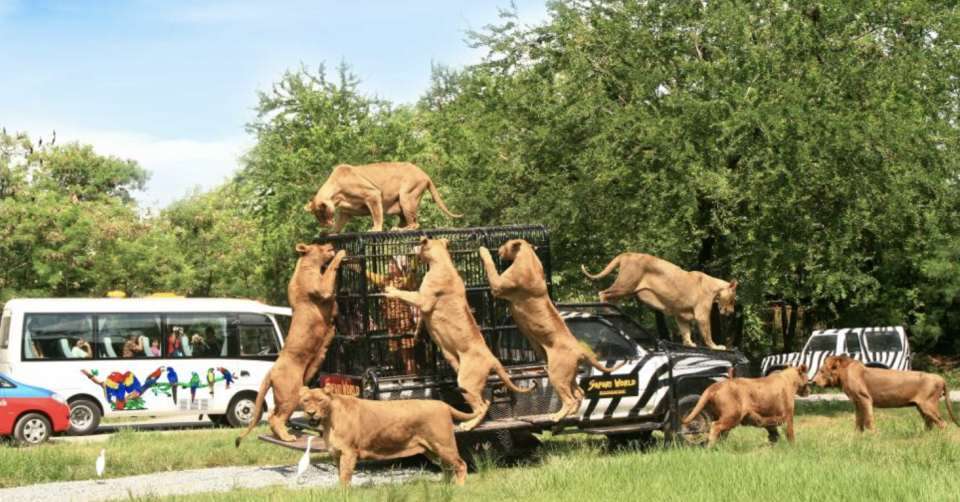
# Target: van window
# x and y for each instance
(58, 336)
(853, 341)
(199, 335)
(822, 343)
(128, 335)
(5, 330)
(257, 336)
(884, 341)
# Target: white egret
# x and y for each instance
(304, 460)
(101, 462)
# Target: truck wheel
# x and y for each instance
(483, 449)
(697, 432)
(84, 417)
(240, 411)
(32, 429)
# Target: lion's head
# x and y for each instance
(510, 250)
(315, 404)
(829, 373)
(316, 253)
(322, 211)
(433, 250)
(727, 297)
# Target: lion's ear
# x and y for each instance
(733, 285)
(302, 248)
(308, 206)
(516, 246)
(803, 369)
(303, 391)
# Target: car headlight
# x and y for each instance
(58, 398)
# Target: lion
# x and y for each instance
(375, 190)
(523, 285)
(362, 429)
(761, 402)
(311, 296)
(687, 296)
(883, 388)
(442, 301)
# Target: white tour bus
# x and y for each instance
(143, 357)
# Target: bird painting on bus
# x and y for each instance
(227, 376)
(174, 382)
(211, 379)
(152, 378)
(194, 385)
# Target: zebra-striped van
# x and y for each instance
(878, 347)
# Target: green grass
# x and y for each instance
(133, 452)
(830, 461)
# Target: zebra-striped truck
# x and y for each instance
(376, 355)
(878, 347)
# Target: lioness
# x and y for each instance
(374, 189)
(687, 296)
(360, 429)
(442, 301)
(761, 402)
(869, 387)
(524, 287)
(311, 296)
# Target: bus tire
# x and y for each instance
(84, 417)
(32, 429)
(240, 411)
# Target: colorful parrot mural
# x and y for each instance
(123, 391)
(211, 379)
(194, 384)
(227, 376)
(172, 378)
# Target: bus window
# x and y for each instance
(853, 341)
(257, 336)
(200, 335)
(127, 335)
(58, 336)
(601, 340)
(5, 330)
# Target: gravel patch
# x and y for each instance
(219, 479)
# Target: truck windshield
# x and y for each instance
(822, 343)
(884, 341)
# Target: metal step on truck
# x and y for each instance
(375, 354)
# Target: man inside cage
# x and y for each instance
(401, 319)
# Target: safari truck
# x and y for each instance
(877, 347)
(376, 354)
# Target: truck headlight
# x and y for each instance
(58, 398)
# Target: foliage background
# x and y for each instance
(807, 149)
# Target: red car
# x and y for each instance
(31, 414)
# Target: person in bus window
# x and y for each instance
(213, 346)
(173, 343)
(82, 349)
(197, 346)
(134, 345)
(36, 350)
(155, 348)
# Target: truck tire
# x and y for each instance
(697, 432)
(84, 417)
(496, 446)
(32, 429)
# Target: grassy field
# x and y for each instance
(899, 462)
(137, 452)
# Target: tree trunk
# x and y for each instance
(784, 326)
(790, 335)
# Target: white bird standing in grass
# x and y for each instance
(101, 462)
(304, 460)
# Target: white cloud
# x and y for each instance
(176, 165)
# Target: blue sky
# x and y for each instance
(171, 83)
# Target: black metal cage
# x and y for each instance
(374, 332)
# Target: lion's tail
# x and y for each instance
(946, 396)
(502, 373)
(461, 416)
(610, 268)
(596, 364)
(704, 399)
(439, 201)
(257, 407)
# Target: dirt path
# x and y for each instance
(219, 479)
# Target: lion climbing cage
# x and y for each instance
(375, 335)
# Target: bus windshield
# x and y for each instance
(822, 343)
